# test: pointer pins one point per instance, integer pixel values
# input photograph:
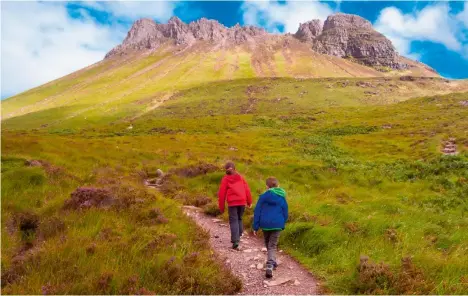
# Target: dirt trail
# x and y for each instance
(249, 261)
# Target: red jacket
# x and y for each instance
(235, 190)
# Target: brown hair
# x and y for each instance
(272, 182)
(229, 167)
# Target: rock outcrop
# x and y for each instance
(309, 31)
(342, 35)
(350, 36)
(146, 34)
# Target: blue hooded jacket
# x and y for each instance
(271, 211)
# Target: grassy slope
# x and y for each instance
(351, 183)
(354, 187)
(108, 86)
(117, 251)
(252, 95)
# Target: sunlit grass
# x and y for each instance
(364, 176)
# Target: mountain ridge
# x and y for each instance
(341, 35)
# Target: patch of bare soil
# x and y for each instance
(450, 147)
(262, 55)
(251, 91)
(233, 67)
(285, 50)
(248, 262)
(255, 89)
(250, 106)
(153, 104)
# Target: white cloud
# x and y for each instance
(41, 42)
(131, 10)
(463, 15)
(271, 14)
(433, 23)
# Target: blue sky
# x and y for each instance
(42, 41)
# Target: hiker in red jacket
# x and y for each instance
(235, 190)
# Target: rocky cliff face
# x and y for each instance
(347, 35)
(342, 35)
(309, 31)
(146, 34)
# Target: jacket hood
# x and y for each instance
(278, 191)
(233, 178)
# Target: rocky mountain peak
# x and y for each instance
(343, 35)
(141, 29)
(175, 20)
(179, 31)
(239, 34)
(205, 29)
(308, 31)
(145, 34)
(346, 21)
(351, 36)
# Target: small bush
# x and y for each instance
(153, 216)
(411, 280)
(195, 170)
(197, 200)
(169, 186)
(103, 284)
(87, 197)
(378, 278)
(212, 209)
(391, 234)
(200, 200)
(373, 278)
(161, 241)
(50, 227)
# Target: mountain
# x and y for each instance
(156, 61)
(342, 35)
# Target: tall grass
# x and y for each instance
(361, 181)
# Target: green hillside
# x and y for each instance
(358, 151)
(147, 79)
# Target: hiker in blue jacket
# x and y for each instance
(271, 214)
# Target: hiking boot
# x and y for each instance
(235, 246)
(269, 271)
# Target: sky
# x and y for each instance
(44, 40)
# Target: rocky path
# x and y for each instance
(248, 262)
